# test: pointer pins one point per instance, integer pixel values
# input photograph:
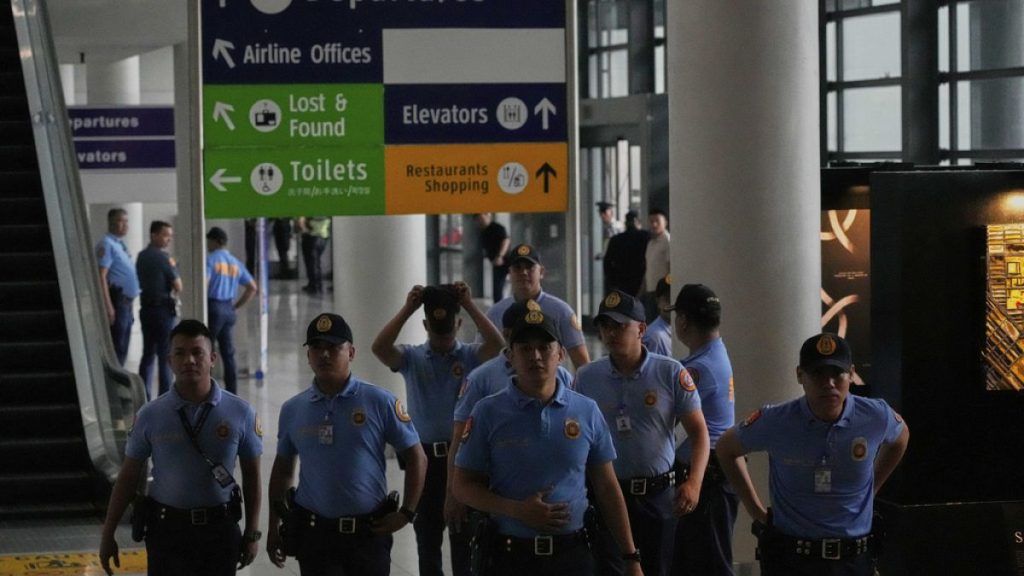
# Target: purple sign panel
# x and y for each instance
(121, 121)
(124, 154)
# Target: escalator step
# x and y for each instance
(28, 388)
(27, 296)
(17, 132)
(24, 238)
(42, 326)
(43, 510)
(11, 81)
(40, 420)
(52, 488)
(16, 156)
(28, 267)
(24, 210)
(35, 356)
(13, 107)
(60, 454)
(20, 184)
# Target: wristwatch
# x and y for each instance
(634, 555)
(410, 515)
(252, 536)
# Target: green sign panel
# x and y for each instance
(321, 115)
(243, 183)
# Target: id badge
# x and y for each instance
(326, 434)
(222, 475)
(622, 424)
(823, 480)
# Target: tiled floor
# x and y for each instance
(290, 311)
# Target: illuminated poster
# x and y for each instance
(846, 284)
(1003, 354)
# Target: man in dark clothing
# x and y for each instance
(624, 261)
(495, 241)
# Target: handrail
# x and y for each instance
(108, 395)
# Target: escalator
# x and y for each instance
(61, 424)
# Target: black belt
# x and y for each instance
(344, 525)
(163, 513)
(826, 548)
(543, 545)
(641, 486)
(156, 302)
(436, 449)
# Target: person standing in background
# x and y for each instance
(495, 241)
(315, 232)
(224, 275)
(117, 275)
(657, 258)
(160, 283)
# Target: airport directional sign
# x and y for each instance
(348, 107)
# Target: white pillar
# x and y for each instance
(114, 82)
(190, 225)
(67, 82)
(156, 76)
(377, 259)
(743, 109)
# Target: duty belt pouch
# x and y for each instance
(389, 505)
(140, 514)
(235, 504)
(290, 524)
(482, 546)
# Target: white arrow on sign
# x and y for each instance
(544, 108)
(219, 179)
(220, 48)
(220, 111)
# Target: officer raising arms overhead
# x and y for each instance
(193, 434)
(525, 456)
(341, 519)
(829, 453)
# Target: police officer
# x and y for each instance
(433, 372)
(117, 275)
(193, 434)
(642, 395)
(160, 283)
(526, 454)
(658, 336)
(316, 231)
(339, 521)
(704, 538)
(224, 274)
(526, 272)
(829, 453)
(491, 377)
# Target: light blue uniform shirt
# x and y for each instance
(799, 445)
(432, 384)
(653, 398)
(711, 371)
(346, 476)
(112, 254)
(658, 338)
(561, 313)
(181, 478)
(492, 377)
(524, 447)
(224, 273)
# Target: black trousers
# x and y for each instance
(210, 550)
(323, 553)
(430, 525)
(575, 561)
(780, 563)
(704, 536)
(654, 531)
(312, 249)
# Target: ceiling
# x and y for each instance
(108, 30)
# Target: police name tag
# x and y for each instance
(622, 424)
(823, 480)
(222, 475)
(325, 434)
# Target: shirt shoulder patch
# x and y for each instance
(685, 381)
(754, 416)
(401, 413)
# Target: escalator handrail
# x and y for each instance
(108, 395)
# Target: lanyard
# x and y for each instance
(193, 433)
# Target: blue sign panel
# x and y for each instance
(124, 154)
(483, 113)
(121, 121)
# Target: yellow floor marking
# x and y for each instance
(69, 564)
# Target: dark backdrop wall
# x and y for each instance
(928, 306)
